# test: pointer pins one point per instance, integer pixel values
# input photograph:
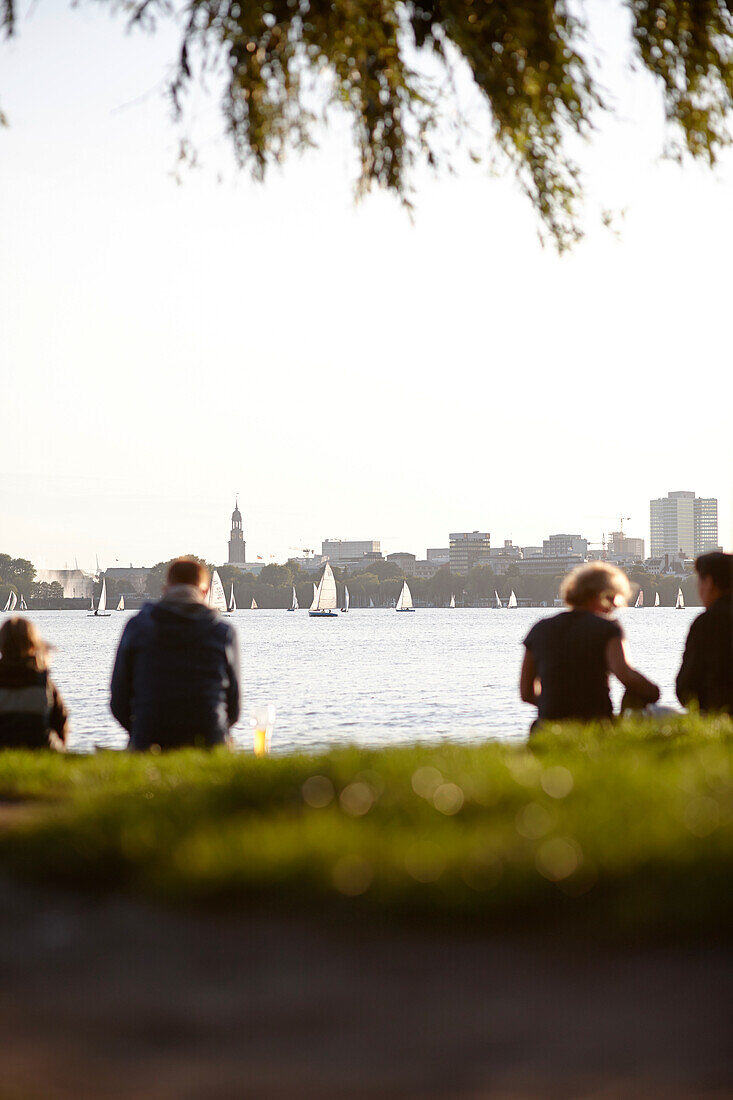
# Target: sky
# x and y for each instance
(349, 371)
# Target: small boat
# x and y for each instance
(232, 601)
(371, 602)
(497, 599)
(680, 601)
(121, 604)
(22, 606)
(345, 608)
(91, 603)
(101, 611)
(324, 597)
(217, 600)
(294, 605)
(253, 605)
(404, 603)
(640, 598)
(452, 601)
(11, 602)
(512, 599)
(657, 601)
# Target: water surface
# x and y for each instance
(371, 676)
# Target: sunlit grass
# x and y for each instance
(620, 832)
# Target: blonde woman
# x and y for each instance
(568, 656)
(32, 713)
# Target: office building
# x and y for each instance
(468, 548)
(706, 524)
(622, 548)
(683, 523)
(405, 561)
(441, 555)
(558, 546)
(351, 552)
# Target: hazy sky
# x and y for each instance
(349, 372)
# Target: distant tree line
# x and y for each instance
(17, 575)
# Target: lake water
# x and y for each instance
(371, 676)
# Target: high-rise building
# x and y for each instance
(706, 524)
(237, 545)
(468, 548)
(682, 522)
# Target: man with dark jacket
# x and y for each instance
(176, 675)
(706, 675)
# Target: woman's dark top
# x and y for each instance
(569, 652)
(32, 713)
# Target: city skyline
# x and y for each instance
(235, 545)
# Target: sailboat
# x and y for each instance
(657, 601)
(640, 598)
(324, 598)
(121, 604)
(294, 605)
(452, 601)
(11, 602)
(232, 601)
(404, 603)
(371, 602)
(680, 601)
(23, 606)
(497, 599)
(217, 596)
(253, 605)
(345, 608)
(91, 603)
(512, 599)
(101, 610)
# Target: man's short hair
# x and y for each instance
(719, 567)
(187, 571)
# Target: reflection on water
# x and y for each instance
(372, 676)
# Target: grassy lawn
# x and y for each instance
(621, 833)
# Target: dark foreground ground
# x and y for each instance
(114, 999)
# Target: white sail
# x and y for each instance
(497, 599)
(217, 596)
(232, 601)
(253, 606)
(452, 601)
(512, 599)
(316, 593)
(405, 600)
(327, 600)
(640, 598)
(680, 604)
(13, 600)
(346, 597)
(294, 604)
(371, 602)
(657, 601)
(23, 604)
(121, 604)
(102, 605)
(91, 603)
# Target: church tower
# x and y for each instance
(237, 545)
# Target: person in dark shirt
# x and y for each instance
(706, 674)
(32, 713)
(175, 680)
(568, 656)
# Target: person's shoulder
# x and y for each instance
(541, 628)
